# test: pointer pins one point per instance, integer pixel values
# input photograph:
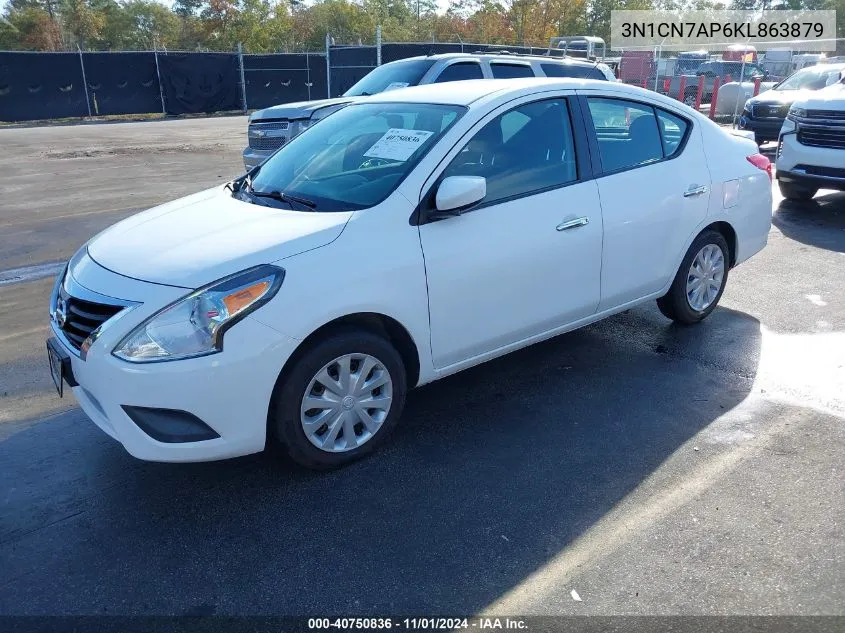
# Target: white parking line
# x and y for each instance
(30, 273)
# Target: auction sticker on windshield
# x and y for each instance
(398, 144)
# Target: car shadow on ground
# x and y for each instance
(491, 473)
(818, 222)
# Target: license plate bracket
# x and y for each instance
(60, 369)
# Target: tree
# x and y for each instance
(81, 23)
(29, 28)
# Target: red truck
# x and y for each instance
(636, 67)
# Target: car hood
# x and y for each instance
(297, 110)
(198, 239)
(779, 97)
(830, 98)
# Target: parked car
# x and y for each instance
(710, 71)
(404, 238)
(765, 113)
(811, 152)
(271, 128)
(689, 61)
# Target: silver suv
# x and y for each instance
(272, 127)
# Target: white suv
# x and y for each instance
(811, 151)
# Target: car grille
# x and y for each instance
(830, 137)
(268, 136)
(82, 317)
(770, 111)
(274, 142)
(830, 115)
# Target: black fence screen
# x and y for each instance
(274, 79)
(122, 83)
(348, 65)
(200, 82)
(41, 86)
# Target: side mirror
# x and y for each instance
(457, 193)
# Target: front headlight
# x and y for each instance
(797, 113)
(194, 325)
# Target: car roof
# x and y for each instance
(466, 92)
(504, 57)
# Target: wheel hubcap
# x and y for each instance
(705, 278)
(346, 403)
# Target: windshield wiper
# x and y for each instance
(282, 197)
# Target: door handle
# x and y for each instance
(573, 224)
(695, 191)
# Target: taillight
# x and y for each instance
(761, 162)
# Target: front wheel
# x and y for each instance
(794, 192)
(340, 400)
(700, 280)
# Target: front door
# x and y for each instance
(527, 259)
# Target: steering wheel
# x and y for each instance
(374, 162)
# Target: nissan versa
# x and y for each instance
(405, 238)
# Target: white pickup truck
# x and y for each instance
(811, 148)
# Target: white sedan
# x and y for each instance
(398, 241)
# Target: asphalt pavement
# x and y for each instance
(646, 467)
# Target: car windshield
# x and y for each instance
(353, 159)
(391, 76)
(810, 79)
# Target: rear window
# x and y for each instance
(571, 70)
(460, 72)
(511, 71)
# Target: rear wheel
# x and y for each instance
(340, 400)
(795, 192)
(700, 280)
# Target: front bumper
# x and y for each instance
(764, 130)
(254, 157)
(229, 392)
(811, 167)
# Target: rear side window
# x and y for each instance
(460, 71)
(571, 70)
(673, 129)
(511, 71)
(627, 133)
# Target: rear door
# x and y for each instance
(654, 188)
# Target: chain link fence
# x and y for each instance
(85, 84)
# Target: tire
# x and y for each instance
(286, 426)
(794, 192)
(676, 304)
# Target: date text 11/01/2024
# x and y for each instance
(419, 623)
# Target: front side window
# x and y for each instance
(528, 149)
(390, 77)
(511, 71)
(460, 72)
(355, 158)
